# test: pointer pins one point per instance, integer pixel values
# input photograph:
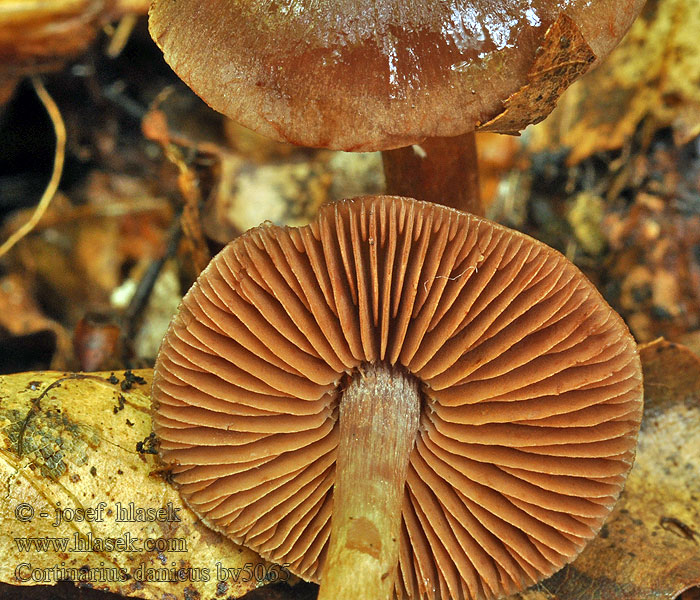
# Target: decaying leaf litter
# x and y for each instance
(623, 204)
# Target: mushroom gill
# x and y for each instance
(529, 384)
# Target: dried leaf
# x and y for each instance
(653, 74)
(83, 500)
(21, 315)
(162, 305)
(36, 35)
(650, 546)
(654, 259)
(256, 147)
(96, 342)
(497, 155)
(77, 253)
(563, 57)
(155, 127)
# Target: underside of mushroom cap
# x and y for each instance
(370, 74)
(531, 391)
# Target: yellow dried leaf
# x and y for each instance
(286, 193)
(83, 498)
(653, 74)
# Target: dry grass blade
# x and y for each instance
(59, 158)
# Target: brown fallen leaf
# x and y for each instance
(96, 342)
(653, 260)
(498, 154)
(83, 500)
(563, 57)
(21, 315)
(650, 546)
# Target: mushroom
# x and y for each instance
(366, 75)
(399, 398)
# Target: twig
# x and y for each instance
(145, 286)
(679, 528)
(155, 127)
(59, 157)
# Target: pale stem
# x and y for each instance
(379, 414)
(440, 170)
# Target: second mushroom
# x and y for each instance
(399, 399)
(412, 79)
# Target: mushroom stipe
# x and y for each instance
(283, 401)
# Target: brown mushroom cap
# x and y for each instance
(531, 391)
(369, 74)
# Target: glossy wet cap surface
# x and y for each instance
(364, 74)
